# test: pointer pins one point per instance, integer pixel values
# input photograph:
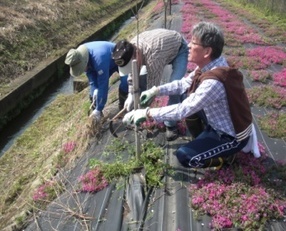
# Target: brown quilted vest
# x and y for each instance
(238, 103)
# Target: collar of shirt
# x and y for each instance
(219, 62)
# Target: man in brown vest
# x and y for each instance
(215, 96)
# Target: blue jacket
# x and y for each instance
(99, 68)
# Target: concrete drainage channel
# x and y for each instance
(40, 86)
(19, 124)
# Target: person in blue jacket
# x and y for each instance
(95, 59)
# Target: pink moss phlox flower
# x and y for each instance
(233, 203)
(189, 17)
(231, 25)
(260, 75)
(235, 195)
(221, 221)
(161, 126)
(267, 55)
(268, 95)
(42, 192)
(197, 200)
(280, 78)
(237, 61)
(191, 67)
(150, 124)
(159, 6)
(69, 146)
(182, 127)
(262, 149)
(93, 181)
(160, 101)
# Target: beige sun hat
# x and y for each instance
(77, 59)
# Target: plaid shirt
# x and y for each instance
(159, 48)
(209, 96)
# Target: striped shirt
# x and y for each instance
(209, 96)
(159, 48)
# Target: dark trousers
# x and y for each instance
(209, 144)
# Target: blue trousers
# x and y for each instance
(209, 144)
(179, 66)
(123, 86)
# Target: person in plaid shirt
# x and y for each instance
(153, 49)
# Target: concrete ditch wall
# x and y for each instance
(33, 83)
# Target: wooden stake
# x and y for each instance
(135, 80)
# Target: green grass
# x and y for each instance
(44, 31)
(33, 155)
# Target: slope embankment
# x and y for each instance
(20, 91)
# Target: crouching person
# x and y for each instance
(215, 95)
(94, 59)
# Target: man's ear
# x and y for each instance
(207, 52)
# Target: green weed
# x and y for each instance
(274, 124)
(150, 161)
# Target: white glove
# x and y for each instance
(129, 102)
(128, 119)
(94, 97)
(96, 115)
(135, 116)
(148, 96)
(143, 70)
(140, 115)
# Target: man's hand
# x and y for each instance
(136, 116)
(129, 102)
(128, 119)
(148, 96)
(140, 115)
(96, 115)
